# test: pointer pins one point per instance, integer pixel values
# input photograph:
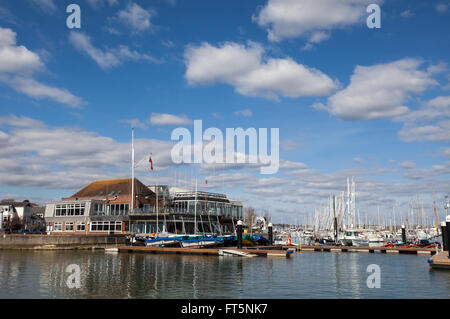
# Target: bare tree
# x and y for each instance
(249, 216)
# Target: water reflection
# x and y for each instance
(42, 274)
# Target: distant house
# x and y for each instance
(15, 211)
(100, 207)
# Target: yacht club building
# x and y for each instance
(104, 207)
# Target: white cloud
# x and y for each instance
(135, 17)
(37, 90)
(16, 58)
(108, 58)
(406, 14)
(17, 66)
(439, 131)
(135, 123)
(37, 155)
(100, 3)
(289, 145)
(441, 7)
(407, 164)
(169, 119)
(245, 113)
(429, 123)
(250, 74)
(45, 5)
(379, 91)
(306, 18)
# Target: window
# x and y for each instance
(58, 226)
(70, 209)
(106, 226)
(80, 226)
(69, 226)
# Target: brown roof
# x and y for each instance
(112, 188)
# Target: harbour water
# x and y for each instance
(42, 274)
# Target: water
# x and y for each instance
(41, 274)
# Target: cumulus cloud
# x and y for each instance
(246, 69)
(38, 155)
(135, 17)
(312, 19)
(108, 58)
(379, 91)
(169, 119)
(16, 58)
(429, 123)
(17, 67)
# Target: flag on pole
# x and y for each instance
(151, 163)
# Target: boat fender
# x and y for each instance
(289, 241)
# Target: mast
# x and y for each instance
(195, 209)
(132, 168)
(418, 208)
(435, 214)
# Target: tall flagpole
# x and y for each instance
(132, 168)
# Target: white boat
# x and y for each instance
(353, 238)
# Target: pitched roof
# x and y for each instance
(11, 202)
(112, 188)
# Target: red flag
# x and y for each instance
(151, 163)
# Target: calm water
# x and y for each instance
(41, 274)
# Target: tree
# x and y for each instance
(267, 216)
(249, 216)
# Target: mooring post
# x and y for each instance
(239, 234)
(444, 236)
(403, 234)
(270, 234)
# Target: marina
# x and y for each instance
(42, 274)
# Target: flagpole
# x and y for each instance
(132, 168)
(195, 210)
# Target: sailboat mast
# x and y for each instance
(132, 169)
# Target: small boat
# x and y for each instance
(163, 242)
(202, 242)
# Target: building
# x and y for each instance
(15, 214)
(185, 211)
(105, 207)
(102, 207)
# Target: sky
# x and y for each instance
(349, 101)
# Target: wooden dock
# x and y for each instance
(205, 251)
(365, 249)
(440, 261)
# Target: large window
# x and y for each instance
(106, 226)
(70, 209)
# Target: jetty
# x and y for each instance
(363, 249)
(231, 251)
(440, 261)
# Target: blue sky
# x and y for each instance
(349, 100)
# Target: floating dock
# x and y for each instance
(364, 249)
(232, 251)
(440, 261)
